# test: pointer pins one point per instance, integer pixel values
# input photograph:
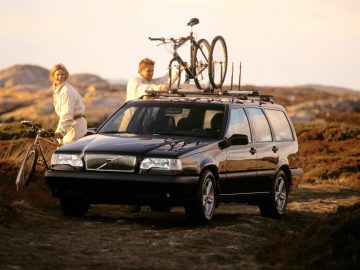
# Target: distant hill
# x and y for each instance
(27, 77)
(25, 94)
(332, 89)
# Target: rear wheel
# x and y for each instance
(74, 207)
(27, 167)
(218, 62)
(202, 53)
(275, 205)
(201, 209)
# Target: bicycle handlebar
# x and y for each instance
(37, 128)
(157, 39)
(174, 40)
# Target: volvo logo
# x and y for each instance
(108, 161)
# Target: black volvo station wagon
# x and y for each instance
(186, 148)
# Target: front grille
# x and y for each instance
(112, 163)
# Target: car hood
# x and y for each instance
(155, 145)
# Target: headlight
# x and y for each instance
(66, 159)
(161, 164)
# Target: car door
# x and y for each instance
(284, 136)
(266, 148)
(240, 162)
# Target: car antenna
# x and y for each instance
(240, 77)
(232, 74)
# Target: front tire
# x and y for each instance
(72, 207)
(275, 205)
(27, 167)
(218, 62)
(202, 207)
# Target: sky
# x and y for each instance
(278, 42)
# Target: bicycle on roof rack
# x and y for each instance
(208, 63)
(31, 157)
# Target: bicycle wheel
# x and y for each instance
(218, 62)
(27, 167)
(174, 66)
(202, 52)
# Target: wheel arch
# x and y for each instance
(285, 168)
(213, 169)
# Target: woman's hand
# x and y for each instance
(58, 135)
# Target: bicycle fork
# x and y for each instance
(189, 73)
(38, 146)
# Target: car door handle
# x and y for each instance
(252, 150)
(275, 149)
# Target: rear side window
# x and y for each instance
(239, 123)
(260, 124)
(280, 124)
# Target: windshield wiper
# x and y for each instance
(165, 133)
(111, 132)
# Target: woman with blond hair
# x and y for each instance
(68, 105)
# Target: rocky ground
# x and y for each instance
(111, 237)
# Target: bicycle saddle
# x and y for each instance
(193, 21)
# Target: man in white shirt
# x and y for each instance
(144, 81)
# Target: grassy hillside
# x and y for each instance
(330, 152)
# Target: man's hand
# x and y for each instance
(161, 87)
(183, 67)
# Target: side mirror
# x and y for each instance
(239, 139)
(91, 131)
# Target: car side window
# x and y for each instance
(261, 126)
(280, 124)
(239, 123)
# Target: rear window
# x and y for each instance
(280, 124)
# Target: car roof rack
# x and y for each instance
(235, 96)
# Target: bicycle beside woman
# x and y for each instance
(71, 126)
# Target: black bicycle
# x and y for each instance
(31, 158)
(208, 63)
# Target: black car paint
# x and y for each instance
(241, 173)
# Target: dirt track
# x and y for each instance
(110, 237)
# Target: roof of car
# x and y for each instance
(202, 96)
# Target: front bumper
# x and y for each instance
(121, 188)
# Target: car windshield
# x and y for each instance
(168, 118)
